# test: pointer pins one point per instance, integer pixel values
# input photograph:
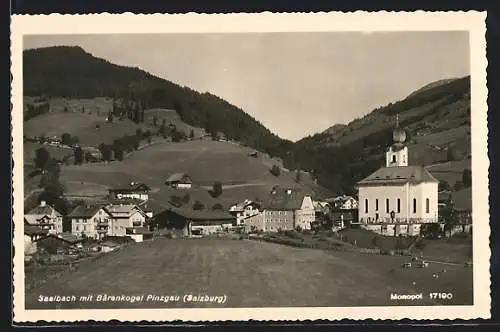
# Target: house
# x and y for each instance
(45, 216)
(179, 181)
(195, 222)
(254, 223)
(244, 210)
(31, 235)
(345, 203)
(462, 208)
(123, 216)
(134, 190)
(139, 234)
(151, 208)
(287, 209)
(89, 221)
(398, 199)
(54, 243)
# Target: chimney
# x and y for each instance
(43, 203)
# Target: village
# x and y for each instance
(396, 207)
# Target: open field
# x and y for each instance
(451, 171)
(205, 161)
(454, 250)
(250, 274)
(81, 125)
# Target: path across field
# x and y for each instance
(250, 274)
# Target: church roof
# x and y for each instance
(398, 175)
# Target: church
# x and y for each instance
(399, 198)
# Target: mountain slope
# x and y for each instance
(437, 121)
(63, 71)
(435, 116)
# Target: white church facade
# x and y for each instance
(399, 198)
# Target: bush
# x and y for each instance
(198, 206)
(275, 170)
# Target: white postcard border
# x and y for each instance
(474, 22)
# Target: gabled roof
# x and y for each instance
(66, 237)
(176, 177)
(398, 175)
(84, 211)
(152, 206)
(242, 205)
(122, 210)
(285, 199)
(44, 210)
(199, 215)
(462, 199)
(133, 187)
(34, 230)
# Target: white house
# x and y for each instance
(135, 190)
(244, 210)
(91, 221)
(398, 198)
(179, 181)
(345, 203)
(287, 209)
(46, 217)
(123, 217)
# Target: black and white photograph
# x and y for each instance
(251, 169)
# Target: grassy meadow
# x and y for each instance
(251, 274)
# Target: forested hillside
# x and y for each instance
(64, 71)
(436, 117)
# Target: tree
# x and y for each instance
(275, 170)
(217, 206)
(118, 149)
(105, 151)
(66, 139)
(198, 206)
(451, 154)
(467, 178)
(216, 189)
(443, 185)
(298, 176)
(458, 185)
(41, 158)
(78, 155)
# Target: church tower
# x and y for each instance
(397, 153)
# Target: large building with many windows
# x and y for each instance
(399, 198)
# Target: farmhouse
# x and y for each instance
(288, 209)
(397, 199)
(179, 181)
(462, 208)
(60, 242)
(134, 190)
(123, 217)
(31, 235)
(46, 217)
(345, 203)
(195, 222)
(89, 221)
(244, 210)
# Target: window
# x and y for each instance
(376, 216)
(399, 205)
(393, 158)
(376, 204)
(414, 205)
(387, 205)
(77, 228)
(366, 205)
(427, 203)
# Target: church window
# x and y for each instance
(387, 205)
(427, 203)
(414, 205)
(366, 205)
(376, 204)
(399, 205)
(393, 158)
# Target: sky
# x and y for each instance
(296, 84)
